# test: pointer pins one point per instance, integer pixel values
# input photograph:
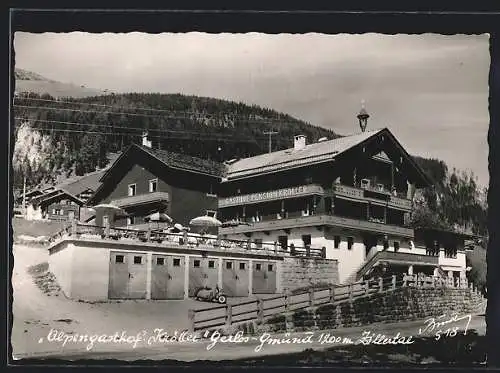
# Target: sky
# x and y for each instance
(430, 90)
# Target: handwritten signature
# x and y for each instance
(444, 325)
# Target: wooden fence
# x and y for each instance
(260, 309)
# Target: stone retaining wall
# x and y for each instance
(402, 304)
(299, 272)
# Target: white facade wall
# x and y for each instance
(457, 264)
(349, 261)
(83, 271)
(90, 273)
(61, 265)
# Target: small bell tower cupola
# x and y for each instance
(363, 117)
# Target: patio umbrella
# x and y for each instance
(109, 209)
(159, 217)
(118, 211)
(205, 221)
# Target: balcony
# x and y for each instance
(272, 195)
(141, 199)
(397, 257)
(315, 220)
(372, 195)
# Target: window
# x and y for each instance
(211, 264)
(105, 220)
(242, 266)
(137, 259)
(177, 262)
(160, 261)
(212, 213)
(258, 243)
(130, 220)
(119, 259)
(336, 241)
(386, 245)
(396, 246)
(269, 267)
(196, 263)
(258, 266)
(283, 240)
(153, 185)
(53, 211)
(229, 265)
(131, 190)
(61, 212)
(306, 239)
(350, 242)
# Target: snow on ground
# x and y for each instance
(38, 239)
(35, 313)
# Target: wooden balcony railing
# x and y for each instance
(321, 219)
(360, 194)
(396, 257)
(141, 198)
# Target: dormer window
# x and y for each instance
(153, 185)
(131, 190)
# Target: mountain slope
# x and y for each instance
(28, 81)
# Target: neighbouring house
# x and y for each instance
(64, 201)
(145, 180)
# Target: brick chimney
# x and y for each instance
(300, 142)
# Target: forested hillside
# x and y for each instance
(455, 201)
(73, 136)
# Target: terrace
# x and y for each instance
(182, 240)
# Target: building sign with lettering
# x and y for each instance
(271, 195)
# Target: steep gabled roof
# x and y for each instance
(186, 162)
(83, 183)
(287, 158)
(55, 194)
(311, 154)
(168, 159)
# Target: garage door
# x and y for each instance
(264, 277)
(235, 277)
(127, 276)
(167, 277)
(202, 272)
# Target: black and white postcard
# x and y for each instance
(305, 199)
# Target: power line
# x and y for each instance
(136, 108)
(127, 134)
(98, 112)
(222, 135)
(175, 112)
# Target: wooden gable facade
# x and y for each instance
(143, 181)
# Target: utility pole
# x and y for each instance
(270, 133)
(24, 196)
